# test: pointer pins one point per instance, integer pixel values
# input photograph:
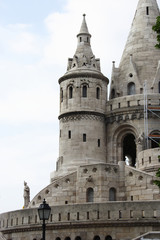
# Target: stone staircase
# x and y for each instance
(2, 237)
(149, 236)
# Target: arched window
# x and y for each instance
(58, 238)
(98, 93)
(70, 92)
(78, 238)
(61, 95)
(108, 237)
(112, 194)
(84, 91)
(131, 88)
(96, 238)
(67, 238)
(129, 150)
(113, 93)
(90, 195)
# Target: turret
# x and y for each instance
(83, 95)
(140, 58)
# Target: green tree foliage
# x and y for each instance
(156, 28)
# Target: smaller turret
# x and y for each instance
(83, 96)
(83, 57)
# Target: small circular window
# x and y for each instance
(130, 75)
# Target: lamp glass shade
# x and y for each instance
(44, 211)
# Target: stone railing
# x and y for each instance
(110, 213)
(136, 100)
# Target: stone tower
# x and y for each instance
(140, 58)
(137, 78)
(83, 94)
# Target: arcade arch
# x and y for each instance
(124, 140)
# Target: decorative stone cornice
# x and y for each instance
(87, 74)
(123, 115)
(76, 116)
(84, 224)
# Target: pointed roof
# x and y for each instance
(84, 28)
(141, 42)
(84, 62)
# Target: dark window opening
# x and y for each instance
(159, 86)
(84, 91)
(98, 93)
(69, 134)
(87, 215)
(67, 238)
(99, 142)
(70, 92)
(129, 150)
(78, 238)
(131, 88)
(147, 10)
(77, 215)
(119, 105)
(68, 216)
(96, 238)
(113, 93)
(84, 137)
(130, 75)
(87, 39)
(80, 39)
(90, 195)
(58, 238)
(59, 217)
(61, 95)
(112, 194)
(108, 238)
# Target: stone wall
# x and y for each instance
(117, 219)
(148, 160)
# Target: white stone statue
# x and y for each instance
(26, 195)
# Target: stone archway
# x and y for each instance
(129, 150)
(125, 144)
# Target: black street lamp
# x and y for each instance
(44, 211)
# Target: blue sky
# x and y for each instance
(36, 39)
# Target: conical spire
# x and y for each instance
(84, 28)
(141, 45)
(83, 58)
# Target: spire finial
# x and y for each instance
(84, 28)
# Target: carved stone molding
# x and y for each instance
(82, 116)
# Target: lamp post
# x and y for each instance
(44, 211)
